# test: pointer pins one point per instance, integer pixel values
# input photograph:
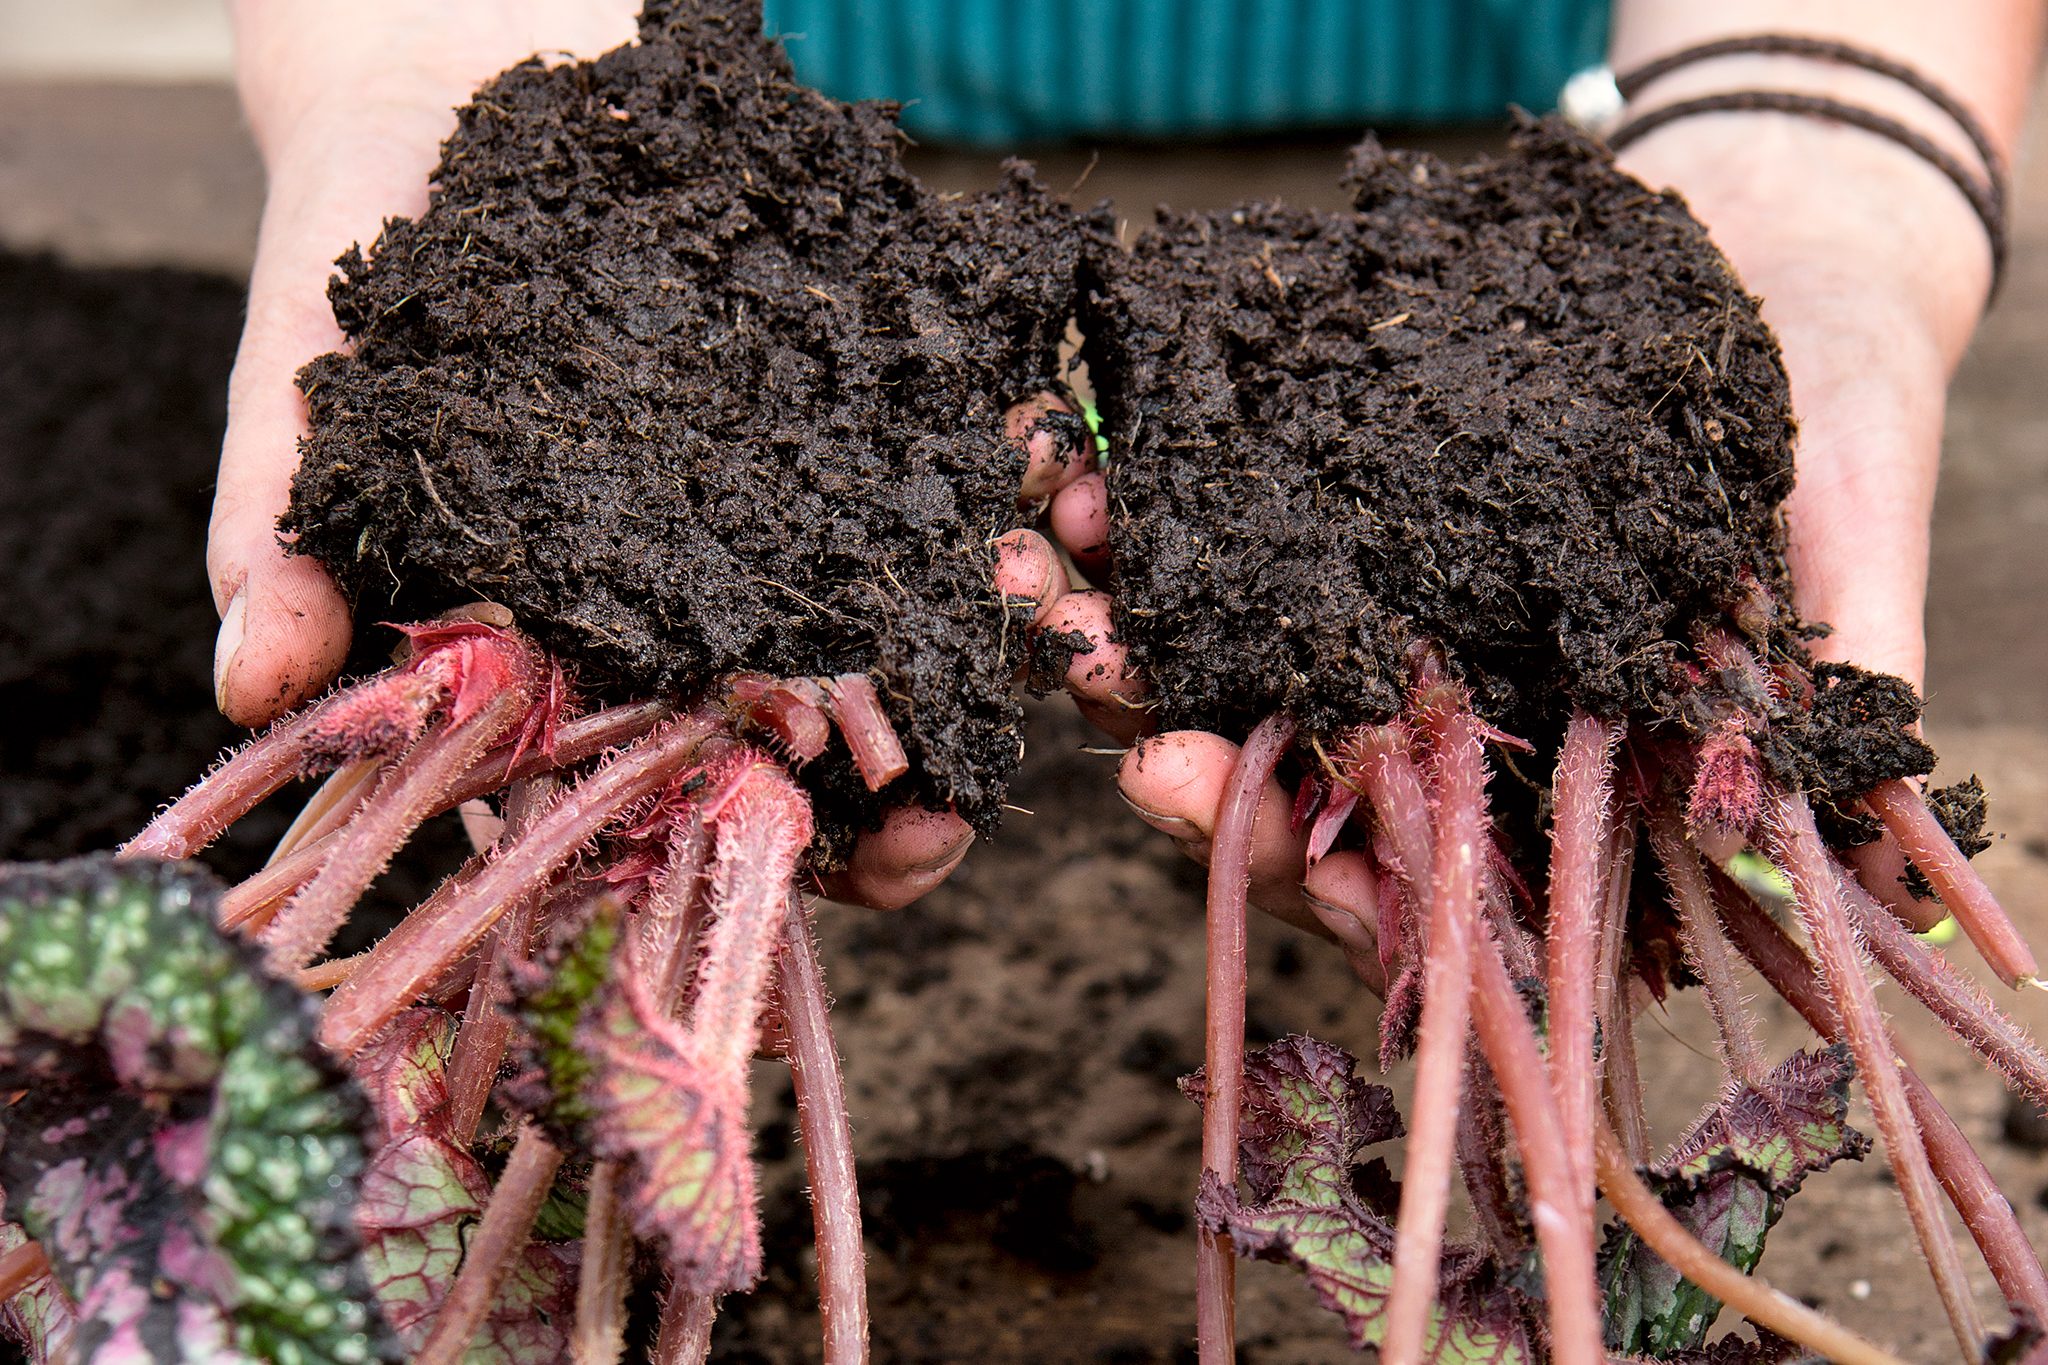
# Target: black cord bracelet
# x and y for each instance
(1987, 196)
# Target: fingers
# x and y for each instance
(1028, 569)
(1099, 675)
(1057, 446)
(1079, 520)
(910, 854)
(1176, 781)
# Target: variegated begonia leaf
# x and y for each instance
(1727, 1181)
(423, 1195)
(180, 1146)
(1305, 1120)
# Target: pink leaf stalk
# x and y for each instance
(1950, 996)
(1706, 947)
(424, 946)
(1453, 925)
(877, 752)
(490, 684)
(1580, 831)
(672, 1101)
(1799, 848)
(1230, 875)
(827, 1136)
(492, 1247)
(1970, 1188)
(1922, 839)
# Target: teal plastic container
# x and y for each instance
(1011, 71)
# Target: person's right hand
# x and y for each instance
(349, 105)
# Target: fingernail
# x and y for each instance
(233, 622)
(1175, 826)
(953, 853)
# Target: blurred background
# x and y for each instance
(1012, 1041)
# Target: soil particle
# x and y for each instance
(1856, 733)
(685, 368)
(1521, 409)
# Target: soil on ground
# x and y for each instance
(1520, 409)
(684, 367)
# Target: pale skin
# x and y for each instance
(348, 105)
(1871, 267)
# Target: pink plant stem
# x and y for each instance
(1922, 839)
(406, 797)
(1480, 1145)
(331, 807)
(1969, 1186)
(486, 1027)
(1385, 768)
(1619, 1074)
(492, 1247)
(1805, 859)
(1881, 869)
(685, 1335)
(758, 835)
(604, 1274)
(1580, 832)
(1558, 1208)
(230, 791)
(578, 741)
(1230, 877)
(1706, 947)
(877, 752)
(827, 1135)
(406, 962)
(1453, 925)
(1949, 996)
(1749, 1295)
(674, 904)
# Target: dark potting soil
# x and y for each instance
(686, 369)
(1522, 409)
(113, 393)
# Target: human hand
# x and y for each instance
(349, 106)
(1872, 270)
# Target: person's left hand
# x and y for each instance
(1872, 270)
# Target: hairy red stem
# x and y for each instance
(1580, 832)
(406, 797)
(411, 957)
(1922, 839)
(1950, 996)
(492, 1247)
(827, 1136)
(1230, 877)
(1706, 947)
(1969, 1186)
(486, 1028)
(1881, 869)
(1452, 927)
(673, 909)
(1799, 849)
(685, 1334)
(231, 791)
(1380, 760)
(877, 752)
(1557, 1206)
(604, 1274)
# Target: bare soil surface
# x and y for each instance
(1012, 1041)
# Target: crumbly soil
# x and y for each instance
(684, 367)
(1011, 1042)
(1520, 409)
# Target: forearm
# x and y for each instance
(1983, 52)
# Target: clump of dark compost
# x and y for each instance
(684, 367)
(1521, 409)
